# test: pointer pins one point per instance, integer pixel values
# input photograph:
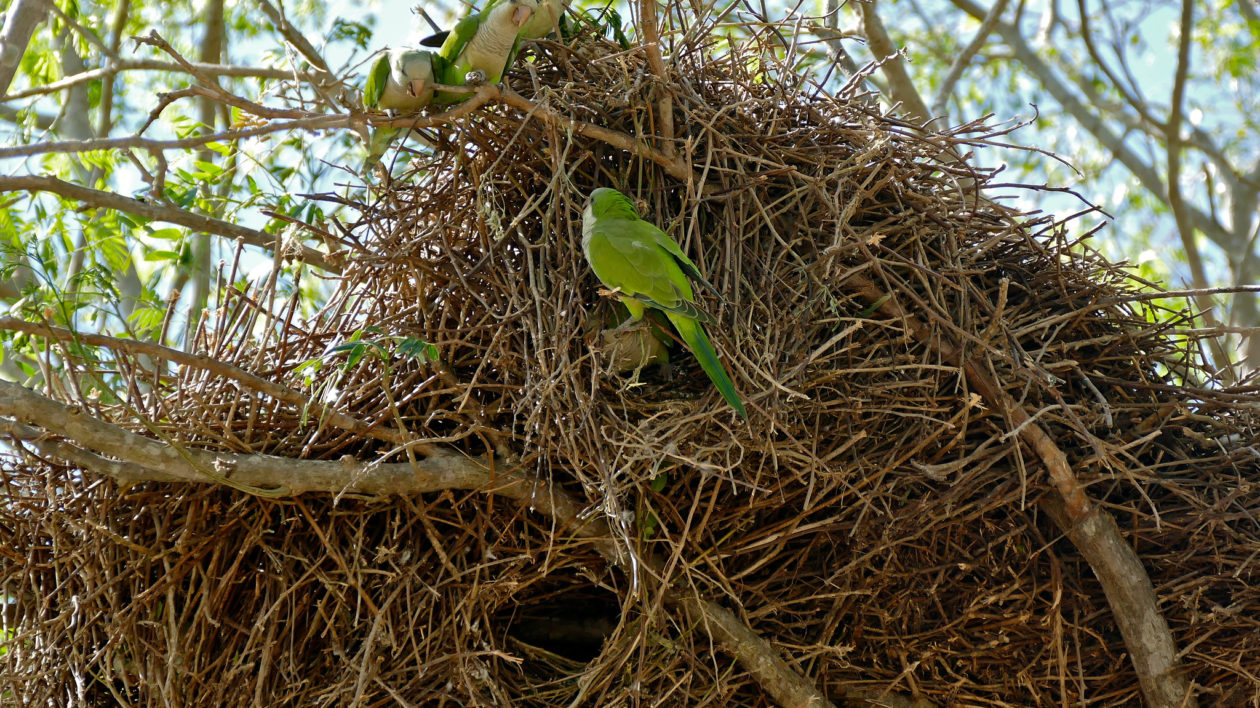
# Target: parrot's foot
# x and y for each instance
(476, 77)
(631, 324)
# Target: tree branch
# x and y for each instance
(20, 21)
(964, 58)
(218, 368)
(169, 214)
(151, 460)
(1145, 174)
(299, 42)
(114, 68)
(1172, 133)
(893, 65)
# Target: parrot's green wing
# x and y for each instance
(377, 78)
(671, 246)
(629, 256)
(454, 46)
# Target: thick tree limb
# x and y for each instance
(164, 463)
(168, 214)
(218, 368)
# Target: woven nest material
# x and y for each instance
(876, 519)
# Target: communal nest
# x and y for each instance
(882, 519)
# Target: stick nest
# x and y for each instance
(874, 519)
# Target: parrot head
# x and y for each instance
(606, 203)
(518, 11)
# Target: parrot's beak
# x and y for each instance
(521, 15)
(416, 87)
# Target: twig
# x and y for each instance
(210, 89)
(675, 166)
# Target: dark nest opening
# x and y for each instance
(880, 519)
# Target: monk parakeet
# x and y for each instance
(648, 269)
(546, 18)
(401, 81)
(485, 41)
(540, 24)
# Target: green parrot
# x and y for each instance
(485, 41)
(545, 19)
(648, 269)
(401, 81)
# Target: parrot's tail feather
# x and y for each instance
(693, 334)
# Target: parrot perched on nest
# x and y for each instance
(648, 269)
(402, 81)
(545, 19)
(483, 42)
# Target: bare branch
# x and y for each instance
(893, 65)
(157, 461)
(116, 67)
(1175, 202)
(312, 122)
(168, 214)
(964, 58)
(299, 42)
(218, 368)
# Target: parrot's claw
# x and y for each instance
(631, 324)
(476, 77)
